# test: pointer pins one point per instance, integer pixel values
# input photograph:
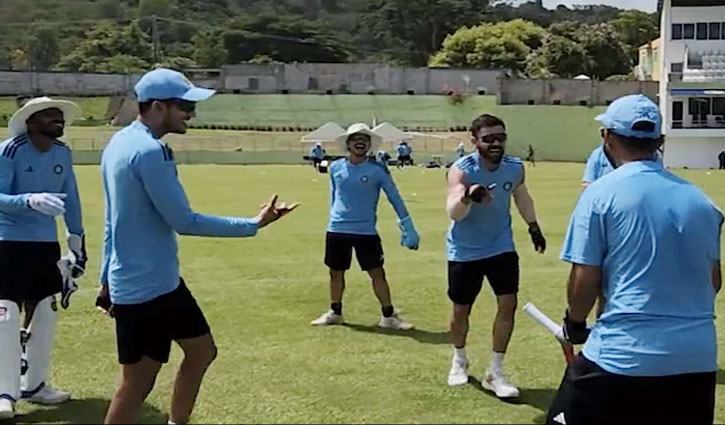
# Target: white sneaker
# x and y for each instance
(395, 322)
(498, 383)
(458, 374)
(7, 409)
(48, 395)
(328, 318)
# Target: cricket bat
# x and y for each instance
(552, 327)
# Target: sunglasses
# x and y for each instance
(183, 105)
(488, 139)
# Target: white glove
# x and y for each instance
(77, 254)
(47, 203)
(66, 267)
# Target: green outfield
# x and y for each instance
(259, 295)
(558, 133)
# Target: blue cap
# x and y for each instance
(625, 112)
(162, 84)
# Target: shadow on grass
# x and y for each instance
(420, 335)
(538, 398)
(87, 411)
(721, 377)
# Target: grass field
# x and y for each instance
(561, 133)
(259, 295)
(558, 133)
(93, 107)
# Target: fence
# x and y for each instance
(245, 147)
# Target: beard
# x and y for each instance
(53, 132)
(493, 157)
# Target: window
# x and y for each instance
(688, 31)
(253, 84)
(714, 30)
(701, 31)
(676, 67)
(722, 34)
(677, 31)
(718, 106)
(677, 111)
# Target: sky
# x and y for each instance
(646, 5)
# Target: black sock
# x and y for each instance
(388, 311)
(336, 308)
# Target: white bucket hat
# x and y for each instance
(360, 128)
(18, 123)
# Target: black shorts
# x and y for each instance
(590, 395)
(465, 279)
(316, 161)
(405, 159)
(29, 270)
(147, 329)
(338, 251)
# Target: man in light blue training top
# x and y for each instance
(404, 152)
(37, 183)
(317, 154)
(460, 150)
(599, 164)
(480, 244)
(355, 184)
(651, 241)
(146, 208)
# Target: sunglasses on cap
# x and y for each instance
(490, 138)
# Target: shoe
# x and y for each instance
(47, 395)
(328, 318)
(498, 384)
(395, 322)
(7, 409)
(459, 373)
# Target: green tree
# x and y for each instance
(558, 57)
(110, 9)
(502, 45)
(284, 38)
(421, 25)
(636, 28)
(108, 46)
(209, 50)
(43, 51)
(155, 7)
(608, 55)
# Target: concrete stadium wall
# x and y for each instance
(571, 92)
(69, 84)
(356, 78)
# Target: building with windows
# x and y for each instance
(692, 83)
(649, 68)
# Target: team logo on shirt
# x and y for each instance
(53, 305)
(4, 314)
(507, 186)
(364, 179)
(58, 169)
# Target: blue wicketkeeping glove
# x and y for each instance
(409, 238)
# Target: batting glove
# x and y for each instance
(409, 238)
(51, 204)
